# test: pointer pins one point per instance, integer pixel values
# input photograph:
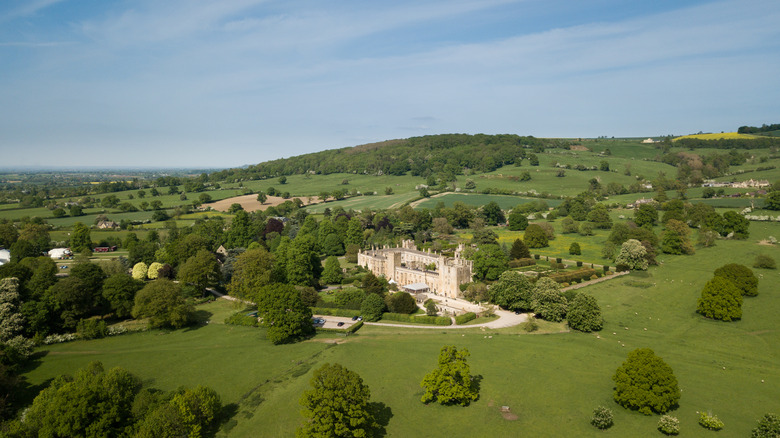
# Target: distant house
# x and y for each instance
(107, 225)
(5, 256)
(649, 141)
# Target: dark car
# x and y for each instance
(354, 318)
(340, 323)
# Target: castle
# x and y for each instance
(406, 265)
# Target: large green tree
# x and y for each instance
(372, 307)
(517, 220)
(535, 237)
(720, 299)
(512, 291)
(633, 255)
(93, 403)
(252, 270)
(451, 382)
(489, 262)
(584, 314)
(742, 277)
(644, 382)
(163, 303)
(493, 214)
(283, 312)
(548, 301)
(200, 271)
(332, 273)
(646, 216)
(676, 238)
(80, 239)
(519, 250)
(337, 405)
(119, 291)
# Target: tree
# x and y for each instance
(772, 200)
(332, 272)
(372, 307)
(139, 271)
(430, 308)
(450, 383)
(764, 261)
(741, 276)
(535, 237)
(12, 322)
(284, 315)
(282, 179)
(512, 291)
(735, 223)
(519, 250)
(163, 303)
(303, 261)
(337, 405)
(489, 262)
(768, 427)
(354, 235)
(372, 285)
(632, 255)
(200, 271)
(584, 314)
(644, 382)
(574, 249)
(91, 403)
(8, 234)
(402, 302)
(600, 217)
(675, 238)
(261, 197)
(646, 216)
(80, 240)
(569, 225)
(548, 301)
(493, 214)
(720, 299)
(119, 291)
(252, 270)
(154, 271)
(517, 221)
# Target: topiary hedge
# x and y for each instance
(432, 320)
(466, 317)
(347, 313)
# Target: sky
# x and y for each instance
(194, 83)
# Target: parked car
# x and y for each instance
(354, 318)
(340, 323)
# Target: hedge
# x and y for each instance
(573, 276)
(519, 263)
(402, 317)
(347, 313)
(466, 317)
(241, 318)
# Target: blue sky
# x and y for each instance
(180, 83)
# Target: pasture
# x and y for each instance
(551, 382)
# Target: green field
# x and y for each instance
(551, 382)
(506, 202)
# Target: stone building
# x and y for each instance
(407, 265)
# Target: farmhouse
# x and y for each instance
(105, 225)
(417, 270)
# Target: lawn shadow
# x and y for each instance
(476, 384)
(382, 414)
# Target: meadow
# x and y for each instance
(551, 381)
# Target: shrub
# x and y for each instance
(530, 325)
(579, 264)
(574, 249)
(669, 425)
(91, 329)
(709, 421)
(355, 327)
(606, 268)
(768, 427)
(432, 320)
(466, 317)
(763, 261)
(519, 263)
(645, 382)
(535, 237)
(558, 260)
(537, 256)
(602, 418)
(347, 313)
(402, 302)
(243, 319)
(621, 267)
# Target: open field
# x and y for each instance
(730, 369)
(506, 202)
(716, 136)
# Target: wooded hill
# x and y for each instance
(446, 153)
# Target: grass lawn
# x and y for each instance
(552, 381)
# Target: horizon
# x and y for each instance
(220, 85)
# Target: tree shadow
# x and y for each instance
(382, 414)
(200, 318)
(476, 384)
(226, 422)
